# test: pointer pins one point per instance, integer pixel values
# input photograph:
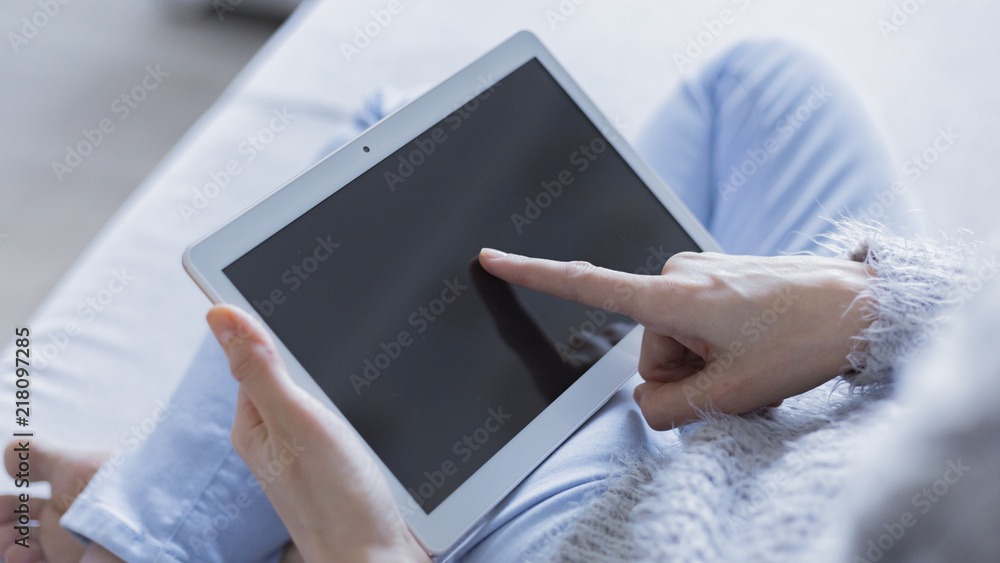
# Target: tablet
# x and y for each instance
(364, 270)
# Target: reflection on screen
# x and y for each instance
(377, 293)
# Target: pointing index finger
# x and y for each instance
(614, 291)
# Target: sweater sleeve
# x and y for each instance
(916, 283)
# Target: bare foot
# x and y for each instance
(68, 472)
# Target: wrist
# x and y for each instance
(848, 284)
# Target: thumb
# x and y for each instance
(675, 403)
(665, 405)
(669, 404)
(253, 360)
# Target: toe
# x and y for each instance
(10, 503)
(60, 545)
(19, 554)
(10, 459)
(38, 456)
(55, 464)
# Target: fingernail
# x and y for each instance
(637, 394)
(223, 325)
(491, 253)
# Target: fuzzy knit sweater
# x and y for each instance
(892, 462)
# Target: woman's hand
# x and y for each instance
(322, 481)
(734, 333)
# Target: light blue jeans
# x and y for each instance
(762, 145)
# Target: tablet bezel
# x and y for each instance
(471, 501)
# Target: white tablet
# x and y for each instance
(364, 270)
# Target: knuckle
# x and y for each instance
(673, 289)
(579, 269)
(680, 260)
(578, 272)
(668, 283)
(725, 395)
(250, 356)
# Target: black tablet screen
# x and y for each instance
(377, 292)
